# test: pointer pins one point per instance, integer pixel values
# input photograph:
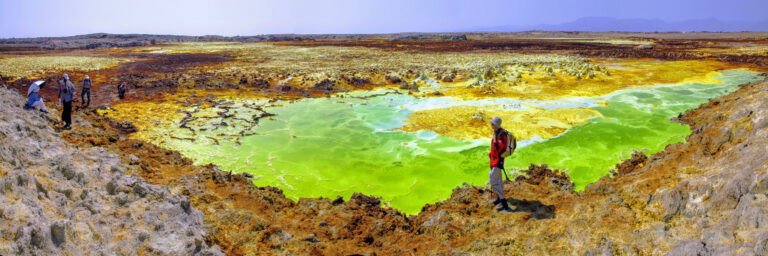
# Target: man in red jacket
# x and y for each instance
(499, 144)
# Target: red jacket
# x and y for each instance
(498, 145)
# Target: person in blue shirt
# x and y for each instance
(33, 98)
(86, 91)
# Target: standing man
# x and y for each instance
(501, 146)
(66, 94)
(86, 90)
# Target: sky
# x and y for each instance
(42, 18)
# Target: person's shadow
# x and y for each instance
(536, 208)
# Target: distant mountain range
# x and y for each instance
(604, 24)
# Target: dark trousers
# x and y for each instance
(66, 114)
(82, 96)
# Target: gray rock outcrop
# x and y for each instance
(59, 200)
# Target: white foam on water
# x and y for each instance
(535, 139)
(426, 135)
(282, 180)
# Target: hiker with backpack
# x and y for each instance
(86, 90)
(503, 144)
(66, 94)
(33, 99)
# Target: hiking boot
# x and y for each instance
(503, 206)
(497, 201)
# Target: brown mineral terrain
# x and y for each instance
(95, 190)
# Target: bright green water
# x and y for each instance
(330, 147)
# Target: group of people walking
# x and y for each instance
(66, 94)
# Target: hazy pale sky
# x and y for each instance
(35, 18)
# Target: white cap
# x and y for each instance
(38, 82)
(86, 77)
(66, 76)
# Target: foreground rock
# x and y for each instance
(61, 200)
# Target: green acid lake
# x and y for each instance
(329, 147)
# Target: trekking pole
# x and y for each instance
(505, 173)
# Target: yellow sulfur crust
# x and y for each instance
(472, 122)
(613, 75)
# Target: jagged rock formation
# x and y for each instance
(58, 199)
(716, 201)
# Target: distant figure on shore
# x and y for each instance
(86, 90)
(66, 94)
(502, 145)
(121, 90)
(33, 99)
